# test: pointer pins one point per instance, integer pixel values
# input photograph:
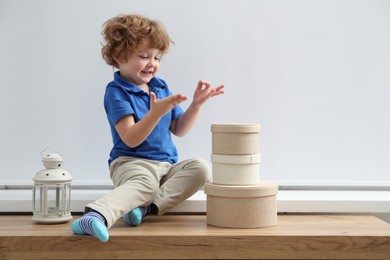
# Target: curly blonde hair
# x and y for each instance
(124, 33)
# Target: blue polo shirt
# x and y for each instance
(124, 98)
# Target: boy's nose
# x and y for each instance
(152, 62)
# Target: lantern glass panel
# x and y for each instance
(38, 206)
(66, 200)
(54, 196)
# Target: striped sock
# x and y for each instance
(92, 223)
(134, 217)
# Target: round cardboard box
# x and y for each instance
(235, 139)
(235, 169)
(251, 206)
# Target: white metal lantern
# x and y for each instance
(51, 192)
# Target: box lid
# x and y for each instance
(235, 128)
(236, 159)
(261, 189)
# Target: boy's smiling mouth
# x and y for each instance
(147, 72)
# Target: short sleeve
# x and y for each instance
(116, 104)
(177, 111)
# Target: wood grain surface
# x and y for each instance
(188, 236)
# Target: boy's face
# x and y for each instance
(141, 66)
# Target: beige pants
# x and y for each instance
(140, 182)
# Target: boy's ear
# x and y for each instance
(120, 60)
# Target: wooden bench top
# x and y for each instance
(189, 236)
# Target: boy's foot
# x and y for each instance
(92, 223)
(134, 217)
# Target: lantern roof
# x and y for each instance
(51, 176)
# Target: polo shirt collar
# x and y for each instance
(155, 84)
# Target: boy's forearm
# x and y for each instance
(187, 120)
(138, 132)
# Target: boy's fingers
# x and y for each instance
(152, 96)
(219, 88)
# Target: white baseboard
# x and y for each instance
(288, 201)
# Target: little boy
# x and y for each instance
(142, 113)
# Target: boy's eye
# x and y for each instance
(158, 58)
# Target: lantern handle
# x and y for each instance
(49, 148)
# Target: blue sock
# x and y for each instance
(92, 223)
(134, 217)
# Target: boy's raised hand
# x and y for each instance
(204, 91)
(160, 107)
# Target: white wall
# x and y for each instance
(314, 74)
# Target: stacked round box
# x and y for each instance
(236, 197)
